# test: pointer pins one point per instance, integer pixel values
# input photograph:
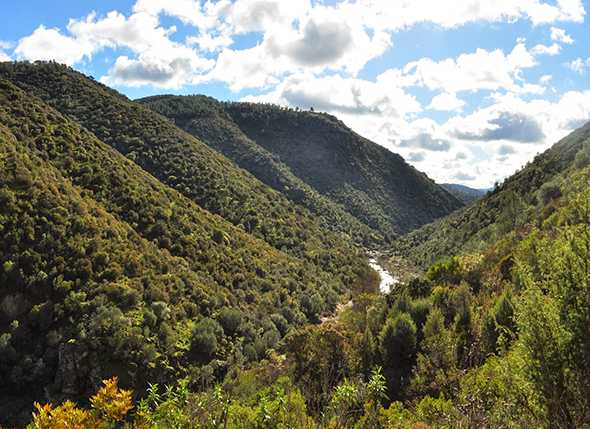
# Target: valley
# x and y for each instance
(181, 262)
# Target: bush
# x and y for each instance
(230, 320)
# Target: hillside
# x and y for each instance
(491, 338)
(463, 193)
(107, 271)
(206, 119)
(314, 155)
(510, 206)
(181, 161)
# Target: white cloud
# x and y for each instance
(246, 16)
(3, 55)
(559, 35)
(348, 96)
(579, 65)
(159, 60)
(545, 79)
(247, 68)
(210, 43)
(416, 156)
(161, 71)
(500, 124)
(426, 141)
(446, 102)
(553, 49)
(385, 14)
(480, 70)
(51, 44)
(189, 11)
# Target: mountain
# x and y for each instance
(489, 337)
(177, 159)
(167, 261)
(206, 119)
(216, 278)
(316, 160)
(508, 207)
(464, 193)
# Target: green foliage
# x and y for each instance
(206, 119)
(320, 362)
(447, 271)
(397, 342)
(436, 366)
(315, 160)
(499, 325)
(506, 209)
(105, 269)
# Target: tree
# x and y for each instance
(436, 363)
(398, 350)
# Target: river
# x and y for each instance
(387, 280)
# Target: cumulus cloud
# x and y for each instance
(463, 177)
(553, 49)
(159, 60)
(246, 16)
(50, 44)
(446, 102)
(342, 95)
(506, 150)
(480, 70)
(321, 43)
(147, 70)
(402, 14)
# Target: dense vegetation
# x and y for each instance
(206, 119)
(497, 338)
(196, 315)
(107, 271)
(307, 155)
(521, 200)
(178, 159)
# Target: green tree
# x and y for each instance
(397, 342)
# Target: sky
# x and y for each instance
(467, 91)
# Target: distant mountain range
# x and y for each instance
(464, 193)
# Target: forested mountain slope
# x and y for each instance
(179, 160)
(508, 207)
(206, 119)
(371, 183)
(492, 338)
(106, 270)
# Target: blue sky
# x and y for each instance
(467, 91)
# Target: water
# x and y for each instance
(387, 280)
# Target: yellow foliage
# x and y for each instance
(111, 402)
(66, 416)
(109, 405)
